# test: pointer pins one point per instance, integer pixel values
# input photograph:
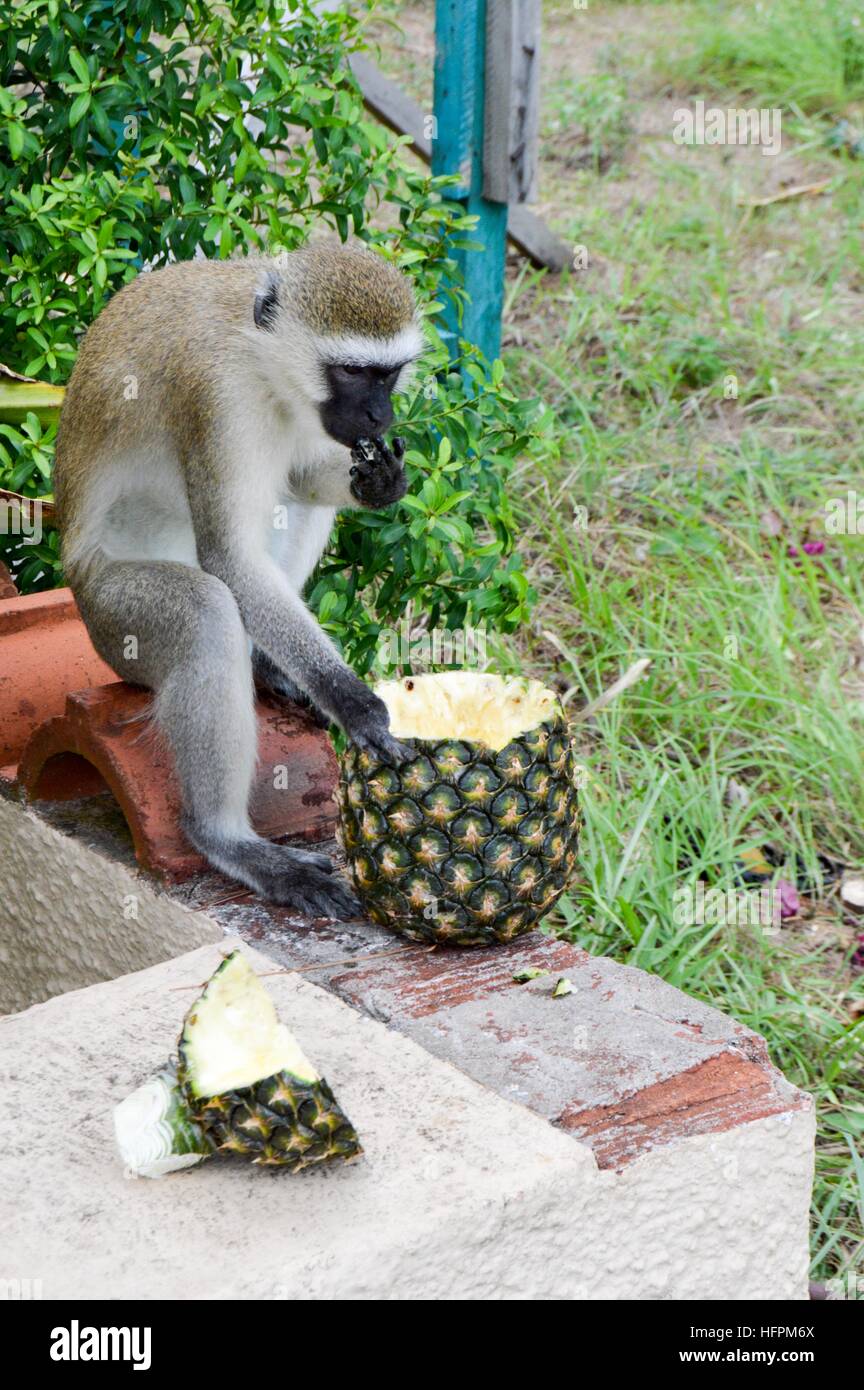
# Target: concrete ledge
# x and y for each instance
(625, 1062)
(462, 1194)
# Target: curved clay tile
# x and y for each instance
(65, 733)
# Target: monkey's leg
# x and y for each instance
(177, 630)
(268, 674)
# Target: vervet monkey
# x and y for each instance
(209, 399)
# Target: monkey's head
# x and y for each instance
(347, 326)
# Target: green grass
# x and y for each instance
(586, 125)
(748, 728)
(782, 52)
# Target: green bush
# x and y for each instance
(126, 139)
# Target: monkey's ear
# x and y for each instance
(267, 302)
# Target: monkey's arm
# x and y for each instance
(278, 621)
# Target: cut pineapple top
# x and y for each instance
(232, 1037)
(474, 706)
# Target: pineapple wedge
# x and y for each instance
(248, 1084)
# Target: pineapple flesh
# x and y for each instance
(473, 839)
(247, 1082)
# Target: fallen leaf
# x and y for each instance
(770, 524)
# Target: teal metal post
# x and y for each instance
(457, 148)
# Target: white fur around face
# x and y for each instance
(373, 352)
(291, 359)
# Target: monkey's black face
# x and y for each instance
(358, 404)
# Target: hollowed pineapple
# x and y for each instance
(248, 1084)
(473, 839)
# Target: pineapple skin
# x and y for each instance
(280, 1122)
(461, 844)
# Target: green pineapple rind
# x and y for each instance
(279, 1122)
(462, 844)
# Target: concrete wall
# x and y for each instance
(70, 917)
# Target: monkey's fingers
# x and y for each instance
(364, 451)
(384, 746)
(325, 897)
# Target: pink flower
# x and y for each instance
(809, 548)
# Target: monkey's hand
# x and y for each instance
(378, 473)
(364, 717)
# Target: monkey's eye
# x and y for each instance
(350, 370)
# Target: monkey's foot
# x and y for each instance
(296, 878)
(378, 473)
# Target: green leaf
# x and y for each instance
(79, 109)
(79, 66)
(103, 126)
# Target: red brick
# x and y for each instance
(718, 1094)
(425, 981)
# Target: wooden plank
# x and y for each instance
(512, 117)
(500, 28)
(530, 235)
(393, 107)
(401, 114)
